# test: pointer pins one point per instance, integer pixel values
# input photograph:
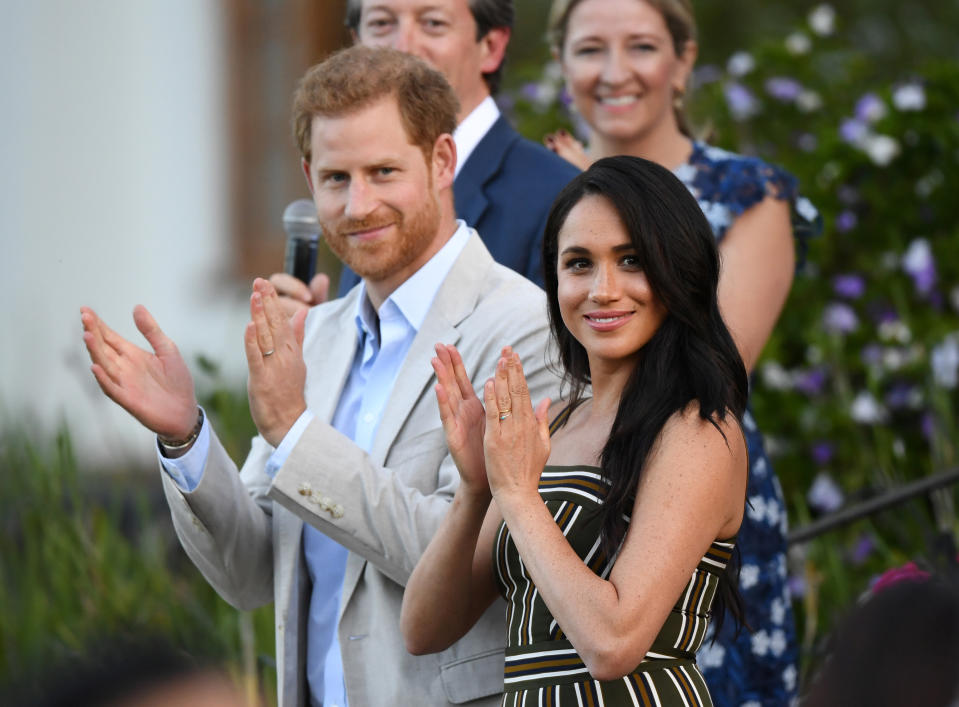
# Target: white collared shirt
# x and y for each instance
(473, 129)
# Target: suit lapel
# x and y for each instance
(484, 162)
(455, 299)
(330, 356)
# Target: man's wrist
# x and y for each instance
(177, 447)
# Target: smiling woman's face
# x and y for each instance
(605, 300)
(621, 67)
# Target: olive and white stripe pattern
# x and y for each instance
(543, 668)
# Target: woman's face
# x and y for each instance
(621, 67)
(604, 297)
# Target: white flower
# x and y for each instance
(899, 448)
(893, 358)
(824, 495)
(553, 71)
(945, 362)
(808, 101)
(910, 96)
(740, 64)
(748, 576)
(881, 149)
(918, 257)
(866, 409)
(822, 20)
(895, 330)
(798, 43)
(871, 108)
(928, 184)
(775, 377)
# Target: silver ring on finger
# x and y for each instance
(268, 353)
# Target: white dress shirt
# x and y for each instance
(473, 129)
(384, 339)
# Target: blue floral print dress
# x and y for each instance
(755, 669)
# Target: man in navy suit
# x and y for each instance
(504, 184)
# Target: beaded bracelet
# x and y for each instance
(175, 444)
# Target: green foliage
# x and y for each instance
(88, 557)
(857, 390)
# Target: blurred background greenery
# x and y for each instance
(857, 389)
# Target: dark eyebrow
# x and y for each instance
(580, 250)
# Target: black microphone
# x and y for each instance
(302, 238)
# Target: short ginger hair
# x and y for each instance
(355, 78)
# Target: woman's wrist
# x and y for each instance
(512, 501)
(473, 496)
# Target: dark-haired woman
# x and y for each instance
(626, 64)
(607, 530)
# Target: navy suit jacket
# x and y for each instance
(505, 190)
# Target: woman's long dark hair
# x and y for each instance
(691, 357)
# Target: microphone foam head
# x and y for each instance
(299, 219)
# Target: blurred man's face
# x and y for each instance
(443, 33)
(376, 197)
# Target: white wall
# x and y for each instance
(112, 193)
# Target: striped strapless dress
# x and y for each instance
(543, 668)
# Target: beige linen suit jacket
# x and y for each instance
(244, 531)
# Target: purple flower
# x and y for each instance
(871, 354)
(848, 195)
(846, 221)
(920, 265)
(870, 108)
(900, 395)
(707, 73)
(783, 88)
(852, 130)
(850, 286)
(797, 586)
(839, 318)
(807, 142)
(822, 452)
(811, 382)
(927, 425)
(742, 103)
(530, 91)
(824, 495)
(565, 98)
(862, 549)
(882, 313)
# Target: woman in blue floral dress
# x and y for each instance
(626, 65)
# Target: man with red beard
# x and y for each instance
(350, 439)
(504, 184)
